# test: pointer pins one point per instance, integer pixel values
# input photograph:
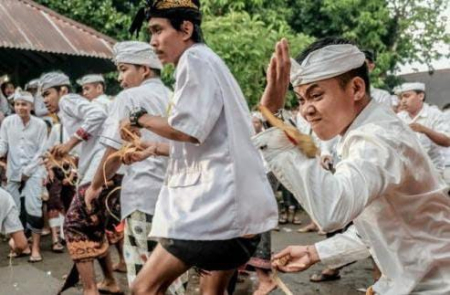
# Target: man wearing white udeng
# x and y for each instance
(384, 183)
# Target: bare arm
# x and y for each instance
(111, 167)
(160, 126)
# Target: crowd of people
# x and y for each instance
(186, 178)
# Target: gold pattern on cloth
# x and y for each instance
(85, 250)
(168, 4)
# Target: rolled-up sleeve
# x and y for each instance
(342, 249)
(92, 116)
(197, 101)
(110, 136)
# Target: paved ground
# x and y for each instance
(45, 278)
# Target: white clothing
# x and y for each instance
(136, 53)
(5, 107)
(143, 180)
(327, 62)
(103, 101)
(342, 249)
(9, 215)
(84, 119)
(381, 96)
(388, 187)
(40, 110)
(32, 192)
(433, 118)
(24, 146)
(217, 189)
(58, 135)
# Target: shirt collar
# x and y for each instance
(151, 80)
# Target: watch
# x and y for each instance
(135, 116)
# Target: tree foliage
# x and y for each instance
(243, 32)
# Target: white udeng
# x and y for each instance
(388, 187)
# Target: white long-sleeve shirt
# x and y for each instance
(84, 119)
(433, 118)
(40, 110)
(23, 144)
(388, 187)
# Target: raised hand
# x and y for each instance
(278, 74)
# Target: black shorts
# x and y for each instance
(213, 255)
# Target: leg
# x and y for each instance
(160, 270)
(33, 207)
(87, 275)
(216, 283)
(120, 266)
(266, 284)
(109, 283)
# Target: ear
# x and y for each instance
(64, 90)
(146, 72)
(421, 96)
(187, 28)
(358, 88)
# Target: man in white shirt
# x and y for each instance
(22, 140)
(94, 89)
(84, 228)
(429, 123)
(216, 198)
(139, 70)
(384, 183)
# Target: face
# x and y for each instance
(51, 99)
(9, 89)
(169, 43)
(329, 108)
(132, 75)
(23, 108)
(411, 101)
(92, 90)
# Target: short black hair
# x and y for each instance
(343, 79)
(197, 34)
(5, 84)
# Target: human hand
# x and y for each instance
(90, 195)
(295, 258)
(126, 130)
(417, 127)
(278, 77)
(326, 162)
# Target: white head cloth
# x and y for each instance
(136, 53)
(33, 84)
(327, 62)
(416, 86)
(53, 79)
(19, 94)
(88, 79)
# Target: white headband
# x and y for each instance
(325, 63)
(53, 79)
(22, 95)
(88, 79)
(136, 53)
(32, 84)
(416, 86)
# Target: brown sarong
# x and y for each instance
(85, 230)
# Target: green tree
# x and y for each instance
(400, 31)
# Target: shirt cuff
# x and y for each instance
(108, 142)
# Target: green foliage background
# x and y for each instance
(244, 32)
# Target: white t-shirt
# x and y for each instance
(217, 189)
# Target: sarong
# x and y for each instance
(84, 230)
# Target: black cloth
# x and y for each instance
(212, 255)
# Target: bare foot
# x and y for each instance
(110, 288)
(265, 287)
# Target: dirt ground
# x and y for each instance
(23, 278)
